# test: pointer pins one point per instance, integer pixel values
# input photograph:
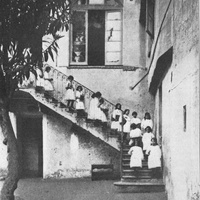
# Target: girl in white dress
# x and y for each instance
(70, 93)
(135, 134)
(80, 107)
(146, 139)
(126, 126)
(39, 80)
(116, 119)
(93, 112)
(101, 111)
(136, 157)
(146, 121)
(135, 119)
(154, 158)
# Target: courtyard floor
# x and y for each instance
(76, 189)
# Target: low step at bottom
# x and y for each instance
(140, 186)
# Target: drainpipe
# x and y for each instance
(154, 50)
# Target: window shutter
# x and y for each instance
(113, 38)
(150, 18)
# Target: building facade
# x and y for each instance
(173, 78)
(141, 53)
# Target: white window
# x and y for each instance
(96, 36)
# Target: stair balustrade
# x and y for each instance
(59, 83)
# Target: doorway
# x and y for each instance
(30, 143)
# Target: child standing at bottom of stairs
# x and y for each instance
(136, 157)
(154, 158)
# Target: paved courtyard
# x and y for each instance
(76, 189)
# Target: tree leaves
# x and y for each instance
(22, 26)
(52, 46)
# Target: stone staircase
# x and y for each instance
(140, 182)
(56, 103)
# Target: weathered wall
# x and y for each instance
(115, 83)
(165, 40)
(69, 152)
(180, 87)
(181, 148)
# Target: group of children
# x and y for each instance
(143, 144)
(97, 109)
(137, 133)
(154, 157)
(72, 95)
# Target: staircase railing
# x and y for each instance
(59, 83)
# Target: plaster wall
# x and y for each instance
(69, 152)
(180, 87)
(165, 39)
(114, 82)
(181, 147)
(132, 37)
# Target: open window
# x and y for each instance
(96, 33)
(150, 17)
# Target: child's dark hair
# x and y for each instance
(47, 68)
(70, 78)
(101, 101)
(133, 126)
(148, 127)
(118, 105)
(79, 87)
(98, 94)
(136, 142)
(155, 140)
(93, 95)
(134, 113)
(126, 111)
(147, 114)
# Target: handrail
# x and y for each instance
(59, 82)
(76, 82)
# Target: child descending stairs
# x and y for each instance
(140, 181)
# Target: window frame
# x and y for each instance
(86, 8)
(150, 15)
(71, 62)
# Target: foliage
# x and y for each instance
(23, 23)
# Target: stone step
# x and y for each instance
(140, 170)
(141, 173)
(127, 165)
(127, 161)
(131, 177)
(140, 186)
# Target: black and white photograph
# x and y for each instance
(99, 100)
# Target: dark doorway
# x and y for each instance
(96, 37)
(30, 140)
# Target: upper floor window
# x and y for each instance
(96, 33)
(150, 17)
